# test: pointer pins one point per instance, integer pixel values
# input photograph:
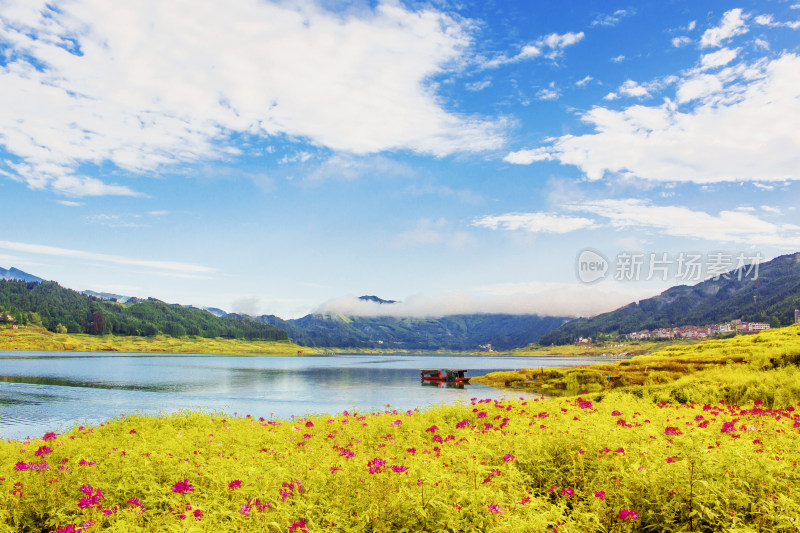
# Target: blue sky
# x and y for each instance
(282, 157)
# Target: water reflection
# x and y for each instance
(42, 392)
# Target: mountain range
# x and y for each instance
(480, 331)
(770, 296)
(15, 273)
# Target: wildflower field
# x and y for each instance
(620, 464)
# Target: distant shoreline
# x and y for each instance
(33, 339)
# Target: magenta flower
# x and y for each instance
(198, 514)
(728, 427)
(671, 430)
(600, 494)
(183, 487)
(49, 436)
(397, 423)
(568, 492)
(399, 469)
(376, 465)
(299, 526)
(463, 423)
(628, 515)
(43, 450)
(235, 484)
(584, 404)
(432, 429)
(508, 458)
(670, 459)
(615, 413)
(494, 509)
(69, 529)
(309, 424)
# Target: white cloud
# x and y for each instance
(148, 84)
(700, 86)
(618, 59)
(768, 20)
(732, 24)
(584, 81)
(739, 226)
(549, 93)
(534, 222)
(172, 267)
(551, 46)
(477, 86)
(611, 20)
(677, 42)
(631, 88)
(70, 203)
(526, 157)
(537, 298)
(738, 127)
(717, 59)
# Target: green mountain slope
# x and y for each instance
(55, 307)
(771, 297)
(454, 332)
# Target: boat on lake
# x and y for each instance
(444, 375)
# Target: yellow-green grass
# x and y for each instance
(566, 465)
(746, 367)
(35, 338)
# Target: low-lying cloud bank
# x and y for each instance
(544, 299)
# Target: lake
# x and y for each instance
(53, 391)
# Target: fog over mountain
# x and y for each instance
(545, 299)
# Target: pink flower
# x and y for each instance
(432, 429)
(397, 423)
(300, 526)
(600, 494)
(235, 484)
(399, 469)
(198, 514)
(615, 413)
(568, 492)
(463, 423)
(670, 459)
(69, 529)
(183, 487)
(670, 430)
(494, 509)
(309, 424)
(508, 458)
(49, 436)
(43, 450)
(627, 514)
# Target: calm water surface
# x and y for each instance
(53, 391)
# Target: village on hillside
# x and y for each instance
(699, 332)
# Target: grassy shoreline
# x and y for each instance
(742, 368)
(34, 338)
